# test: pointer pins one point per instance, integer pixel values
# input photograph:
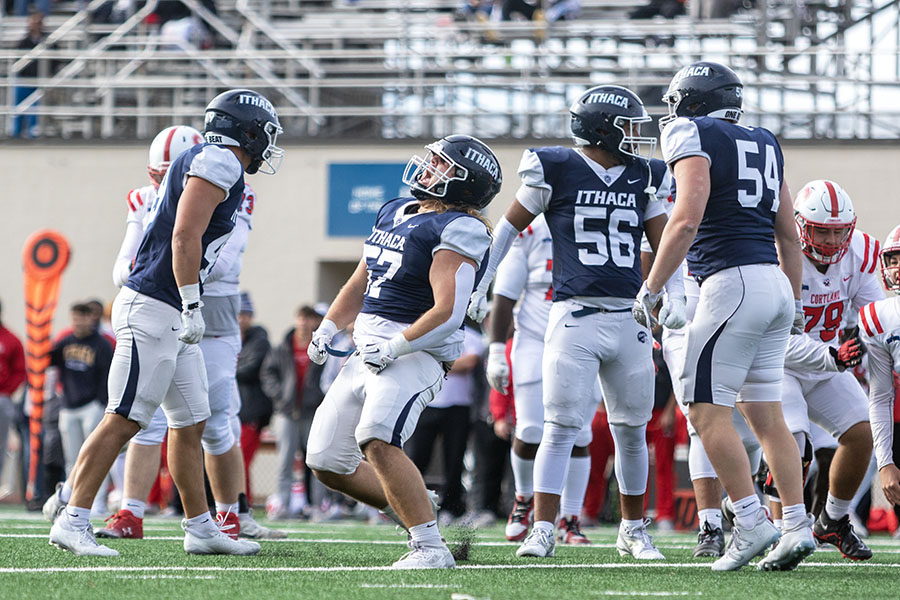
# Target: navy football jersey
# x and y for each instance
(399, 253)
(596, 218)
(746, 168)
(152, 273)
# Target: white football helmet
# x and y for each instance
(824, 205)
(166, 146)
(891, 275)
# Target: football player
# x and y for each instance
(525, 275)
(407, 299)
(598, 199)
(838, 279)
(880, 331)
(734, 221)
(158, 322)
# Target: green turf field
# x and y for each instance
(347, 561)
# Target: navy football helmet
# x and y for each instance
(704, 89)
(472, 180)
(246, 119)
(610, 117)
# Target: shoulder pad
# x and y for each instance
(868, 319)
(866, 249)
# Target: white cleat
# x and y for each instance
(252, 530)
(426, 557)
(80, 542)
(748, 543)
(637, 543)
(794, 545)
(539, 543)
(53, 505)
(215, 543)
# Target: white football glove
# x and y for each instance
(477, 306)
(799, 324)
(673, 313)
(376, 357)
(321, 338)
(644, 305)
(192, 324)
(497, 367)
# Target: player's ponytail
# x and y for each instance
(438, 206)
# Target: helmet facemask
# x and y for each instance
(825, 252)
(890, 273)
(633, 144)
(272, 155)
(440, 181)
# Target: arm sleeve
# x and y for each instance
(134, 233)
(681, 139)
(881, 403)
(504, 236)
(534, 194)
(808, 354)
(231, 252)
(512, 274)
(466, 236)
(217, 165)
(465, 282)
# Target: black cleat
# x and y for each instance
(710, 542)
(840, 534)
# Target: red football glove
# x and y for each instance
(849, 354)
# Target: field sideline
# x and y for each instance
(349, 560)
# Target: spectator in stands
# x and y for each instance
(530, 10)
(82, 359)
(448, 417)
(256, 407)
(714, 9)
(34, 37)
(294, 384)
(475, 10)
(562, 10)
(12, 376)
(664, 8)
(179, 25)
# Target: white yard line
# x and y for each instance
(645, 565)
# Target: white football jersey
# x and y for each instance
(223, 279)
(831, 301)
(879, 327)
(526, 274)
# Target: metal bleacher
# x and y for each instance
(391, 69)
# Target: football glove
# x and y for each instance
(497, 367)
(673, 313)
(849, 354)
(799, 324)
(321, 338)
(192, 322)
(644, 305)
(477, 306)
(193, 325)
(376, 357)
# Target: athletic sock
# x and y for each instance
(794, 516)
(576, 485)
(837, 509)
(632, 524)
(136, 507)
(779, 524)
(546, 526)
(713, 516)
(65, 492)
(745, 511)
(202, 524)
(426, 534)
(523, 474)
(78, 518)
(393, 516)
(226, 507)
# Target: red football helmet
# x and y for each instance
(825, 220)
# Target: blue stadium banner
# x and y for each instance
(355, 193)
